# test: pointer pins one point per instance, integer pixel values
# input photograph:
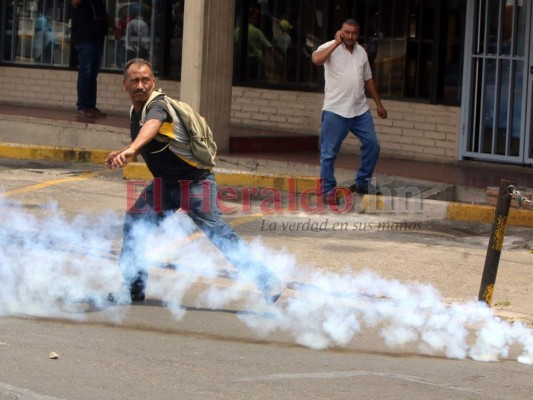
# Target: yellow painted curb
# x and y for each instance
(520, 218)
(56, 153)
(136, 170)
(371, 204)
(280, 182)
(483, 213)
(455, 211)
(470, 212)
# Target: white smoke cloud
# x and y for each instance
(49, 265)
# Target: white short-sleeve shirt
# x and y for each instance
(345, 74)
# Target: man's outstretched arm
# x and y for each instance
(120, 158)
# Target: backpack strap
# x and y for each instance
(156, 93)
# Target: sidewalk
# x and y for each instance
(41, 133)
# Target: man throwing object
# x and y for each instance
(186, 183)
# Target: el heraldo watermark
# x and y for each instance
(230, 200)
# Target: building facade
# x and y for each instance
(456, 76)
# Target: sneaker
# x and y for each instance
(98, 113)
(86, 113)
(273, 292)
(368, 189)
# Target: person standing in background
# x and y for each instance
(90, 25)
(347, 74)
(137, 35)
(44, 41)
(258, 47)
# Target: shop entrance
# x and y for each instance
(497, 98)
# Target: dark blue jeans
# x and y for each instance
(334, 130)
(89, 62)
(198, 199)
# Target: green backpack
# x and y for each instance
(201, 144)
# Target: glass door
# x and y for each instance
(497, 80)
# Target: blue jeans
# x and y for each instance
(198, 199)
(89, 62)
(334, 130)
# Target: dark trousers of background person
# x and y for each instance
(89, 61)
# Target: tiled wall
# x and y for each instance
(412, 130)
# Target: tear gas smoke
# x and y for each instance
(50, 264)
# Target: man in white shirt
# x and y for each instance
(347, 75)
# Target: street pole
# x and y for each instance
(494, 249)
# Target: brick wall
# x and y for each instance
(278, 110)
(57, 88)
(419, 131)
(412, 130)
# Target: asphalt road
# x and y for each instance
(378, 306)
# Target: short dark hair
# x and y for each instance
(351, 22)
(139, 61)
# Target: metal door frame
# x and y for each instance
(470, 102)
(528, 100)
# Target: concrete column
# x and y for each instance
(206, 72)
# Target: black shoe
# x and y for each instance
(137, 296)
(86, 113)
(137, 289)
(368, 189)
(98, 113)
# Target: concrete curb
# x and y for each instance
(35, 131)
(55, 153)
(225, 177)
(423, 208)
